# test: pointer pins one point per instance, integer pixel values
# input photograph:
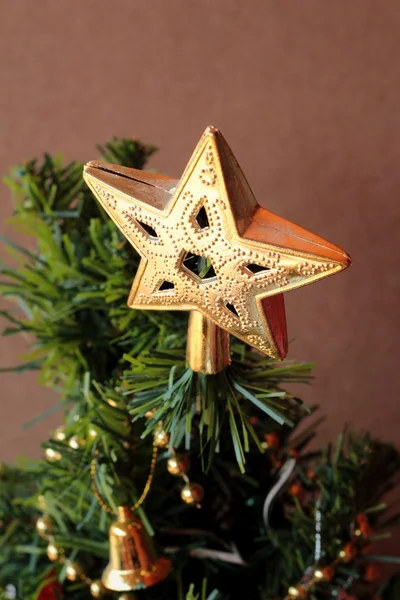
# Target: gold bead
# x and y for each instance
(72, 571)
(76, 442)
(112, 402)
(42, 503)
(92, 433)
(348, 553)
(52, 455)
(150, 413)
(192, 493)
(161, 439)
(97, 589)
(297, 593)
(127, 597)
(44, 526)
(318, 575)
(59, 434)
(178, 465)
(53, 552)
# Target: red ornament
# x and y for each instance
(366, 529)
(363, 525)
(277, 462)
(254, 420)
(372, 573)
(294, 453)
(328, 573)
(51, 589)
(296, 491)
(273, 440)
(361, 519)
(312, 476)
(366, 546)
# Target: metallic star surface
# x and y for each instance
(250, 256)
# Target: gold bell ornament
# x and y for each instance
(134, 563)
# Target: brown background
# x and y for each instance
(307, 94)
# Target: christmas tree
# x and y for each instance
(180, 471)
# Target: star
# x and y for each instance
(207, 245)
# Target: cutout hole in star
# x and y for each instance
(254, 268)
(200, 266)
(202, 218)
(148, 229)
(166, 285)
(232, 309)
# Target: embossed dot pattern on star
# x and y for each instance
(207, 245)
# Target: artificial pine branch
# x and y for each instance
(182, 399)
(110, 365)
(71, 291)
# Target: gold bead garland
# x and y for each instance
(44, 526)
(92, 433)
(161, 438)
(97, 589)
(73, 571)
(192, 493)
(104, 506)
(318, 574)
(59, 434)
(178, 465)
(76, 442)
(52, 455)
(53, 552)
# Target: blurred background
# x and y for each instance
(307, 95)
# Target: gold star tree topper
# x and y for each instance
(207, 246)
